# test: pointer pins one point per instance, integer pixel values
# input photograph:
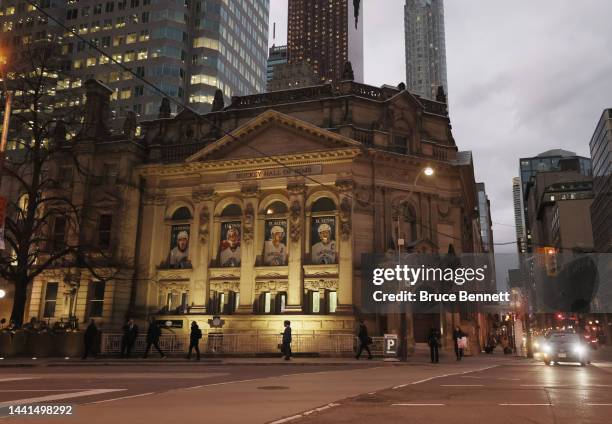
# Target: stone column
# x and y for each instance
(345, 246)
(151, 243)
(297, 192)
(204, 200)
(250, 195)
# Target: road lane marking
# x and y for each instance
(50, 398)
(284, 420)
(442, 376)
(119, 398)
(461, 385)
(525, 404)
(42, 390)
(418, 404)
(3, 380)
(599, 404)
(304, 414)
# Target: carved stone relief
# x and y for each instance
(321, 284)
(295, 213)
(204, 223)
(345, 218)
(247, 231)
(225, 286)
(202, 194)
(154, 197)
(271, 286)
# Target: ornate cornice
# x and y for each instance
(243, 164)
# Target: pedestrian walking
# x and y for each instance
(286, 347)
(433, 340)
(458, 335)
(194, 340)
(364, 340)
(153, 335)
(90, 339)
(130, 334)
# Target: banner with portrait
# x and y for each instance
(323, 240)
(179, 247)
(229, 247)
(275, 244)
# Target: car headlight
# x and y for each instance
(579, 349)
(546, 348)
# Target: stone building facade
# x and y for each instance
(261, 211)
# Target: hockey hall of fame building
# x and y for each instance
(260, 211)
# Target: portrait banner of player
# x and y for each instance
(229, 249)
(323, 240)
(179, 247)
(275, 245)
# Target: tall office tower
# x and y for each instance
(277, 55)
(518, 215)
(601, 209)
(425, 47)
(484, 215)
(187, 48)
(326, 34)
(550, 160)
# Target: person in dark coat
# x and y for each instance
(153, 335)
(433, 340)
(130, 334)
(194, 340)
(91, 339)
(364, 340)
(458, 334)
(286, 349)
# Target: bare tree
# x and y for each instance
(44, 224)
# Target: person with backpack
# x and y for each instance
(433, 340)
(286, 343)
(458, 335)
(194, 340)
(364, 340)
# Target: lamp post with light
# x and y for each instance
(428, 171)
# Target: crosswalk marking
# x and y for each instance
(62, 396)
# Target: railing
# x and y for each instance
(247, 343)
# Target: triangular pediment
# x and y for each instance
(272, 134)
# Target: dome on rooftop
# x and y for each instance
(556, 152)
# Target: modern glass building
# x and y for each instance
(187, 48)
(601, 209)
(425, 47)
(277, 55)
(549, 160)
(518, 215)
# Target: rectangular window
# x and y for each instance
(104, 230)
(332, 301)
(50, 300)
(96, 299)
(110, 6)
(58, 237)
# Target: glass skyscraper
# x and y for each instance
(187, 48)
(425, 47)
(601, 209)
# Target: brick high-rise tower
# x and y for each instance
(326, 34)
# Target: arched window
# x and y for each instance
(324, 204)
(181, 214)
(276, 208)
(232, 210)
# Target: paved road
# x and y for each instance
(506, 393)
(312, 392)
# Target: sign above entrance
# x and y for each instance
(290, 171)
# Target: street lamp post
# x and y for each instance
(428, 171)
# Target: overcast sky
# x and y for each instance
(524, 76)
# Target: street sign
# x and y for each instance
(390, 345)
